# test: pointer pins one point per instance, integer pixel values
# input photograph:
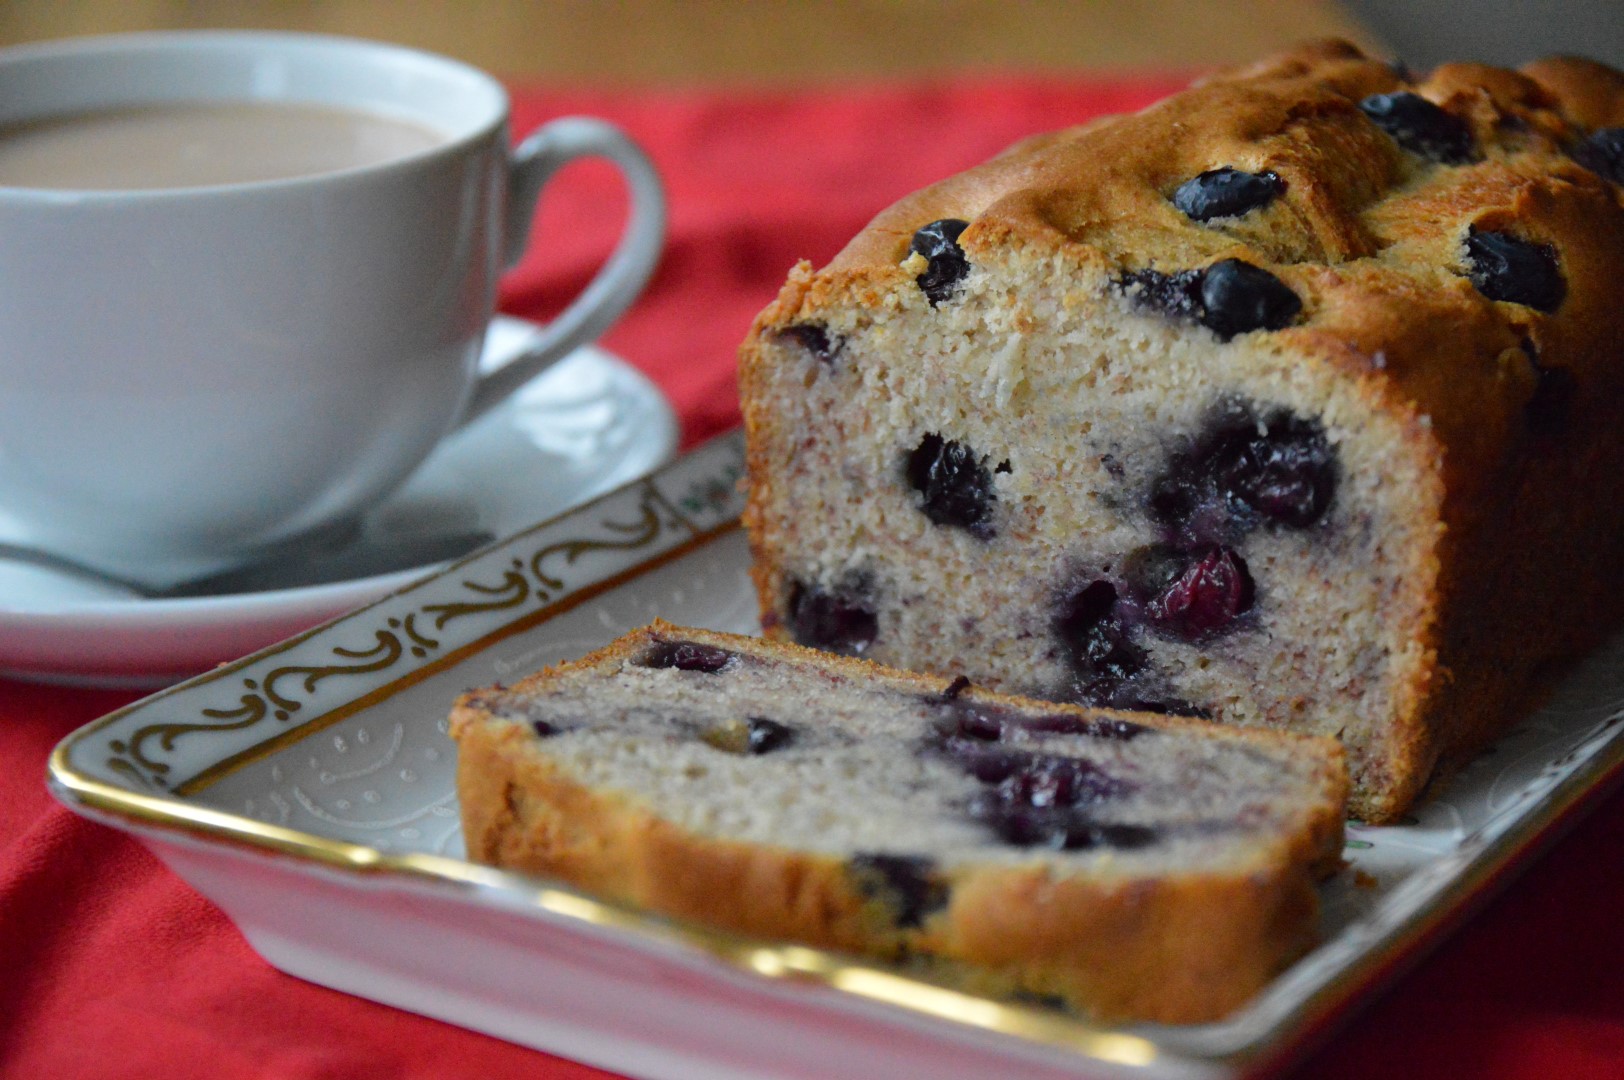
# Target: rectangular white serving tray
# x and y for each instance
(308, 790)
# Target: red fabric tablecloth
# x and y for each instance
(111, 967)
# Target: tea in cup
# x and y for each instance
(246, 280)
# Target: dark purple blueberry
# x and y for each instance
(1176, 295)
(815, 339)
(1237, 297)
(1286, 472)
(543, 729)
(956, 486)
(1059, 829)
(1048, 780)
(987, 762)
(1602, 152)
(1214, 590)
(1021, 827)
(1421, 127)
(906, 884)
(764, 736)
(939, 243)
(1229, 297)
(1517, 271)
(1551, 404)
(1091, 727)
(838, 621)
(1240, 472)
(1096, 637)
(688, 656)
(1226, 192)
(1042, 799)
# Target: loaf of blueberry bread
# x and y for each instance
(1130, 866)
(1294, 400)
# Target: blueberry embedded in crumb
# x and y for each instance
(815, 339)
(1505, 267)
(1237, 297)
(1242, 472)
(938, 242)
(1225, 193)
(1097, 727)
(1286, 473)
(1176, 295)
(1421, 127)
(1229, 297)
(1096, 634)
(688, 656)
(543, 729)
(989, 763)
(1602, 152)
(1032, 799)
(1057, 828)
(906, 884)
(841, 620)
(1062, 831)
(1047, 780)
(1213, 591)
(956, 486)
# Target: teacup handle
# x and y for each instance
(617, 283)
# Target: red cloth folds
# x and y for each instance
(113, 968)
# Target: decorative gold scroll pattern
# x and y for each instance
(279, 695)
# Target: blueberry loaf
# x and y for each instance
(1293, 401)
(1132, 866)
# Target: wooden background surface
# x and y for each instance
(638, 42)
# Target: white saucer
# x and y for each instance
(587, 425)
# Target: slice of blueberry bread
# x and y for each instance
(1132, 866)
(1293, 400)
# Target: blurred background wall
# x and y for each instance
(1504, 32)
(632, 42)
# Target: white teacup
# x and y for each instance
(195, 372)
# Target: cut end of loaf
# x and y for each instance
(1132, 865)
(1041, 487)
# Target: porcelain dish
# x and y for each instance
(308, 790)
(586, 426)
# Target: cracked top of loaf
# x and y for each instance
(1373, 215)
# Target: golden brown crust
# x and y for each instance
(1104, 187)
(1175, 947)
(1371, 239)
